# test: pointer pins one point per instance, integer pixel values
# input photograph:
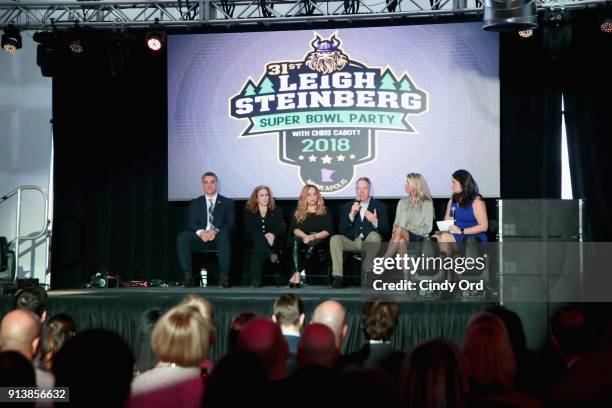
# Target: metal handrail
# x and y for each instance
(39, 234)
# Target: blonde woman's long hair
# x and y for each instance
(421, 193)
(301, 212)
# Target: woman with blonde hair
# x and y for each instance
(413, 217)
(265, 231)
(181, 342)
(310, 226)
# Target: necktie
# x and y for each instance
(211, 207)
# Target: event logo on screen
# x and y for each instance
(326, 110)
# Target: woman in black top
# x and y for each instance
(310, 226)
(265, 229)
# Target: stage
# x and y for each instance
(120, 309)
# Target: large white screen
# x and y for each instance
(283, 108)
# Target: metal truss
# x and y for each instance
(200, 13)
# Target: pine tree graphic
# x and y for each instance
(405, 84)
(388, 82)
(266, 87)
(250, 89)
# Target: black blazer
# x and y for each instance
(223, 213)
(351, 230)
(273, 222)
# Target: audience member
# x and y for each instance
(527, 375)
(333, 315)
(236, 326)
(16, 371)
(97, 367)
(317, 346)
(490, 364)
(206, 310)
(378, 321)
(20, 331)
(433, 377)
(145, 359)
(289, 315)
(55, 332)
(34, 299)
(241, 369)
(264, 338)
(364, 387)
(588, 381)
(181, 342)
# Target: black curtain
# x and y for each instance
(110, 178)
(530, 119)
(588, 118)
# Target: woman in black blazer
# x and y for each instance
(265, 229)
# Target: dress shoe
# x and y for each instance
(294, 285)
(188, 282)
(338, 282)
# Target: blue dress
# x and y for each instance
(465, 218)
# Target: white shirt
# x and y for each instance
(214, 202)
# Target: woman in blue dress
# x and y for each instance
(467, 208)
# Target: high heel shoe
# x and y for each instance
(295, 285)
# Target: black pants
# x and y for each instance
(188, 242)
(302, 254)
(260, 252)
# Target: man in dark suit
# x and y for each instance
(211, 220)
(362, 220)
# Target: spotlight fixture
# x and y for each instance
(76, 40)
(510, 15)
(606, 26)
(11, 39)
(154, 41)
(154, 38)
(526, 33)
(47, 52)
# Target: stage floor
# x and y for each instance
(120, 310)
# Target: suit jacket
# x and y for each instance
(351, 230)
(256, 230)
(224, 214)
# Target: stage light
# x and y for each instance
(11, 39)
(606, 26)
(526, 33)
(154, 38)
(47, 56)
(76, 46)
(154, 41)
(76, 40)
(510, 15)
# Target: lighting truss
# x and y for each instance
(201, 13)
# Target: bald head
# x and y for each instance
(333, 315)
(317, 346)
(264, 338)
(20, 331)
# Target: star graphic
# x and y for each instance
(312, 158)
(340, 157)
(326, 159)
(300, 157)
(352, 156)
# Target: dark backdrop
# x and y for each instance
(110, 134)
